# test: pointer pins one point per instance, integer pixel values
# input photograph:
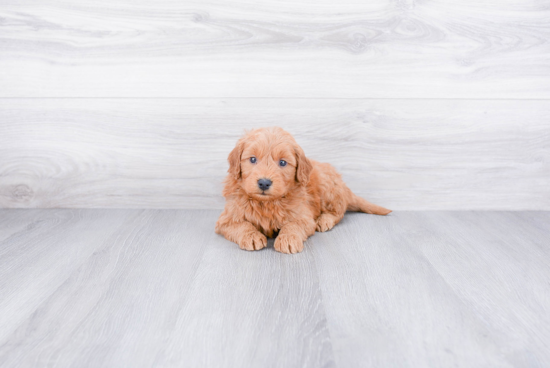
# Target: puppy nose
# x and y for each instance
(264, 184)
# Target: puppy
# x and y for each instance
(273, 188)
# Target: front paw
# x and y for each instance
(289, 243)
(253, 241)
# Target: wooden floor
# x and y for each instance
(142, 288)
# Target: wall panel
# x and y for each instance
(171, 153)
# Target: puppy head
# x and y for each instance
(268, 163)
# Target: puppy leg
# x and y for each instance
(332, 210)
(326, 221)
(292, 236)
(243, 233)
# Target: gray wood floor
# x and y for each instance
(142, 288)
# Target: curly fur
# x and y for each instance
(305, 195)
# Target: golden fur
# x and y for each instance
(305, 195)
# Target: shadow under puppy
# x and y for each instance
(272, 187)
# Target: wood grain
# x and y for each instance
(354, 49)
(436, 289)
(36, 260)
(120, 290)
(171, 153)
(142, 288)
(163, 290)
(252, 309)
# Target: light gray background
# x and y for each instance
(421, 105)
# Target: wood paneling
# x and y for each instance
(171, 153)
(241, 48)
(420, 104)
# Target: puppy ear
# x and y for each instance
(234, 160)
(303, 166)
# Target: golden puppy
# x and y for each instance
(273, 188)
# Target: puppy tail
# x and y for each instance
(359, 204)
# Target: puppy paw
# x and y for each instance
(288, 243)
(325, 222)
(253, 241)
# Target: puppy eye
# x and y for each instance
(282, 163)
(253, 160)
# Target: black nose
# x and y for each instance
(264, 184)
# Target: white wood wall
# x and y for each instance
(132, 103)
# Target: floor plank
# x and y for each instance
(435, 288)
(491, 249)
(110, 309)
(143, 288)
(387, 305)
(274, 49)
(252, 309)
(36, 260)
